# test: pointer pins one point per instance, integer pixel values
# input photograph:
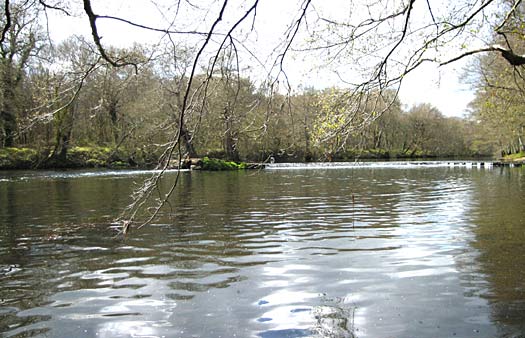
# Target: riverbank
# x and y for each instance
(214, 164)
(76, 157)
(518, 158)
(106, 157)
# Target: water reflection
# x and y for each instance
(499, 228)
(403, 252)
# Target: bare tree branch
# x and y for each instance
(175, 141)
(47, 6)
(507, 17)
(291, 36)
(96, 38)
(7, 25)
(154, 29)
(511, 57)
(408, 11)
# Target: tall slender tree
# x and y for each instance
(21, 40)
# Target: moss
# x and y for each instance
(96, 157)
(77, 157)
(119, 165)
(18, 158)
(93, 162)
(216, 164)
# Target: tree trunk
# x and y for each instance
(378, 138)
(230, 147)
(7, 114)
(186, 138)
(230, 144)
(307, 153)
(113, 115)
(64, 128)
(9, 128)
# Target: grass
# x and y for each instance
(514, 157)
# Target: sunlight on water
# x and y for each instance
(378, 165)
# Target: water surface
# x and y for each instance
(368, 251)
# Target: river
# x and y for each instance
(305, 251)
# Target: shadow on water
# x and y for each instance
(403, 252)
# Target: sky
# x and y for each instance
(443, 88)
(439, 86)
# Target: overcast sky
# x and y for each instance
(440, 87)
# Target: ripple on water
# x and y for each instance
(337, 253)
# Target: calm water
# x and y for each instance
(389, 251)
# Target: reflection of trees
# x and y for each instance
(8, 217)
(42, 241)
(500, 238)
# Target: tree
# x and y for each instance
(337, 129)
(77, 64)
(20, 41)
(499, 105)
(306, 108)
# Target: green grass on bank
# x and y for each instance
(514, 157)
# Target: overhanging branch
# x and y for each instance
(96, 37)
(511, 57)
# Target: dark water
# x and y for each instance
(362, 252)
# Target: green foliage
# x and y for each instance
(18, 158)
(93, 162)
(88, 156)
(98, 157)
(499, 106)
(330, 120)
(119, 165)
(513, 157)
(77, 157)
(213, 164)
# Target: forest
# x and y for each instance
(73, 103)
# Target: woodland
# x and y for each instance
(82, 103)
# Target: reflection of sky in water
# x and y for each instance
(426, 231)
